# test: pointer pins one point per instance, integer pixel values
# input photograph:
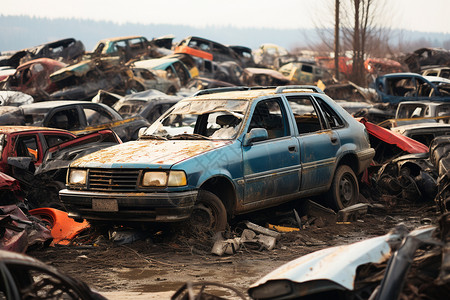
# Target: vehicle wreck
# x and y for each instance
(202, 159)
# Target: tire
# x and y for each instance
(209, 212)
(344, 190)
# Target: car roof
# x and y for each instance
(12, 129)
(52, 104)
(251, 93)
(114, 39)
(431, 103)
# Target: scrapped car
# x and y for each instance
(443, 72)
(206, 49)
(81, 117)
(392, 266)
(39, 157)
(33, 78)
(302, 73)
(65, 50)
(27, 141)
(150, 104)
(171, 68)
(224, 152)
(126, 48)
(27, 278)
(149, 79)
(397, 87)
(415, 112)
(423, 132)
(82, 81)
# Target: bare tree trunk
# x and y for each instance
(356, 43)
(336, 40)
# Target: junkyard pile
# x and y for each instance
(125, 84)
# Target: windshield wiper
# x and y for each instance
(189, 136)
(153, 137)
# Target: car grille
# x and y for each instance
(113, 180)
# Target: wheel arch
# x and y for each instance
(222, 187)
(350, 159)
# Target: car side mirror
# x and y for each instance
(255, 135)
(20, 162)
(141, 131)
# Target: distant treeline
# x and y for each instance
(20, 32)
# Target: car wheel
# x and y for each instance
(209, 212)
(344, 190)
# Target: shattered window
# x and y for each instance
(306, 116)
(269, 115)
(211, 119)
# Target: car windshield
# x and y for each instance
(200, 119)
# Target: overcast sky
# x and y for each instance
(420, 15)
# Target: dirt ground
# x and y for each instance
(155, 267)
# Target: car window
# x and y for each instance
(55, 139)
(333, 119)
(96, 116)
(269, 115)
(27, 146)
(67, 119)
(306, 116)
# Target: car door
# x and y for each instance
(271, 167)
(319, 143)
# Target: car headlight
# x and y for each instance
(177, 178)
(77, 177)
(161, 179)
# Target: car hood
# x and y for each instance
(147, 153)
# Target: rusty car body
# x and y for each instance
(33, 78)
(125, 48)
(224, 152)
(149, 104)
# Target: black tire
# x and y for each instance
(344, 190)
(209, 212)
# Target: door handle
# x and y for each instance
(292, 149)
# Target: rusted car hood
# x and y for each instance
(138, 154)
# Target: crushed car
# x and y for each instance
(149, 104)
(29, 155)
(423, 57)
(33, 78)
(397, 87)
(27, 278)
(82, 117)
(224, 152)
(398, 265)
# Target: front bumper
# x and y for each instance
(129, 207)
